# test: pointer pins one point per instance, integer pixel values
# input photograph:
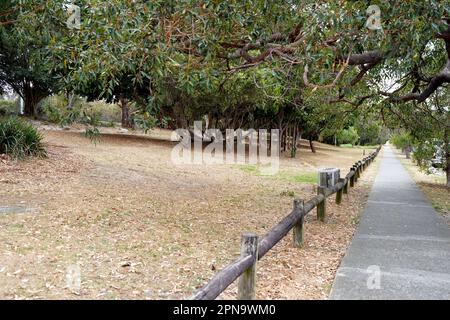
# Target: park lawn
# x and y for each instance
(138, 227)
(432, 185)
(368, 147)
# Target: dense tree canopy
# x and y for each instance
(324, 44)
(254, 63)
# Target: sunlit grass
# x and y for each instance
(302, 177)
(348, 145)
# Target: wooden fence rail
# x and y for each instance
(253, 250)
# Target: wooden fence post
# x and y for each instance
(339, 193)
(352, 179)
(298, 231)
(321, 207)
(247, 281)
(345, 189)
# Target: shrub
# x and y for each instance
(107, 112)
(54, 109)
(20, 139)
(348, 136)
(9, 107)
(401, 140)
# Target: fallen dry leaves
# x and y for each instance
(140, 228)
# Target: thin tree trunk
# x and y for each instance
(408, 152)
(447, 169)
(447, 154)
(126, 123)
(311, 145)
(71, 100)
(294, 140)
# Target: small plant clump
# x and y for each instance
(19, 139)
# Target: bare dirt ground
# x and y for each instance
(139, 227)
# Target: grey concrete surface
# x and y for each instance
(401, 249)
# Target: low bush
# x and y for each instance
(20, 139)
(54, 109)
(8, 107)
(347, 136)
(401, 140)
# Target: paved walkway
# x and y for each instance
(401, 249)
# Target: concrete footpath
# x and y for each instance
(401, 249)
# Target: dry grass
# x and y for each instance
(142, 228)
(432, 185)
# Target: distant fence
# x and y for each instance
(253, 250)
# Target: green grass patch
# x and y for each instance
(348, 145)
(299, 177)
(249, 168)
(288, 193)
(303, 177)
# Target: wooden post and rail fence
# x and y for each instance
(253, 249)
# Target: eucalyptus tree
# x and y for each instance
(394, 52)
(332, 45)
(428, 129)
(23, 60)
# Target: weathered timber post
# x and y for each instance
(321, 207)
(247, 281)
(339, 193)
(298, 231)
(353, 177)
(345, 189)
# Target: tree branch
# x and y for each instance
(433, 85)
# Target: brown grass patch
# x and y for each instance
(141, 228)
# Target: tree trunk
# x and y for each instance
(311, 145)
(126, 123)
(447, 154)
(31, 98)
(71, 100)
(408, 152)
(447, 169)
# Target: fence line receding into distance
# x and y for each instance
(253, 249)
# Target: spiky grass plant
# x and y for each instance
(20, 139)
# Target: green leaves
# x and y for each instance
(20, 139)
